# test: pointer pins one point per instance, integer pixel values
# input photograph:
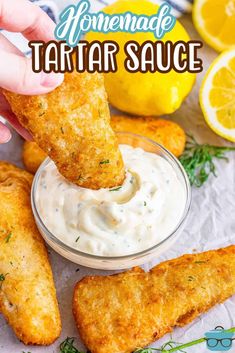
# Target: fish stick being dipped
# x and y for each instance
(167, 133)
(72, 125)
(32, 156)
(123, 312)
(27, 292)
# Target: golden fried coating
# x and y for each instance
(33, 156)
(165, 132)
(72, 126)
(123, 312)
(27, 293)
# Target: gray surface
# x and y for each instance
(211, 224)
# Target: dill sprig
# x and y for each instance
(165, 348)
(172, 347)
(67, 346)
(197, 160)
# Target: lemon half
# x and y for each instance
(217, 95)
(215, 22)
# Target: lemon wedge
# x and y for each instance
(215, 22)
(217, 95)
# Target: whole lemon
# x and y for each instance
(143, 93)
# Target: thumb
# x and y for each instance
(16, 75)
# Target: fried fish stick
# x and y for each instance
(33, 156)
(72, 126)
(165, 132)
(123, 312)
(27, 292)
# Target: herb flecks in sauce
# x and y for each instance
(116, 189)
(102, 217)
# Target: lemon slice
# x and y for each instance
(215, 21)
(217, 95)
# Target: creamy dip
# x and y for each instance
(118, 221)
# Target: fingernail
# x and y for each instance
(5, 136)
(51, 79)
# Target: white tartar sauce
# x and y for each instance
(118, 221)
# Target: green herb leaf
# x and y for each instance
(67, 346)
(2, 278)
(41, 106)
(145, 203)
(116, 189)
(197, 160)
(106, 161)
(176, 347)
(77, 239)
(8, 237)
(167, 347)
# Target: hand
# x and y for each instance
(16, 73)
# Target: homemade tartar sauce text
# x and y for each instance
(118, 221)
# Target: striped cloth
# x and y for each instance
(179, 7)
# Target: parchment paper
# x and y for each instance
(210, 225)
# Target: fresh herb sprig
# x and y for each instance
(165, 348)
(172, 347)
(67, 346)
(197, 160)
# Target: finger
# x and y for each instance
(5, 134)
(16, 75)
(27, 18)
(5, 111)
(9, 47)
(11, 118)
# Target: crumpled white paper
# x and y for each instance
(210, 225)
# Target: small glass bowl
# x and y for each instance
(127, 261)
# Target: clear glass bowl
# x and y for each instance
(127, 261)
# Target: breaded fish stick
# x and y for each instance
(32, 156)
(123, 312)
(165, 132)
(27, 292)
(72, 126)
